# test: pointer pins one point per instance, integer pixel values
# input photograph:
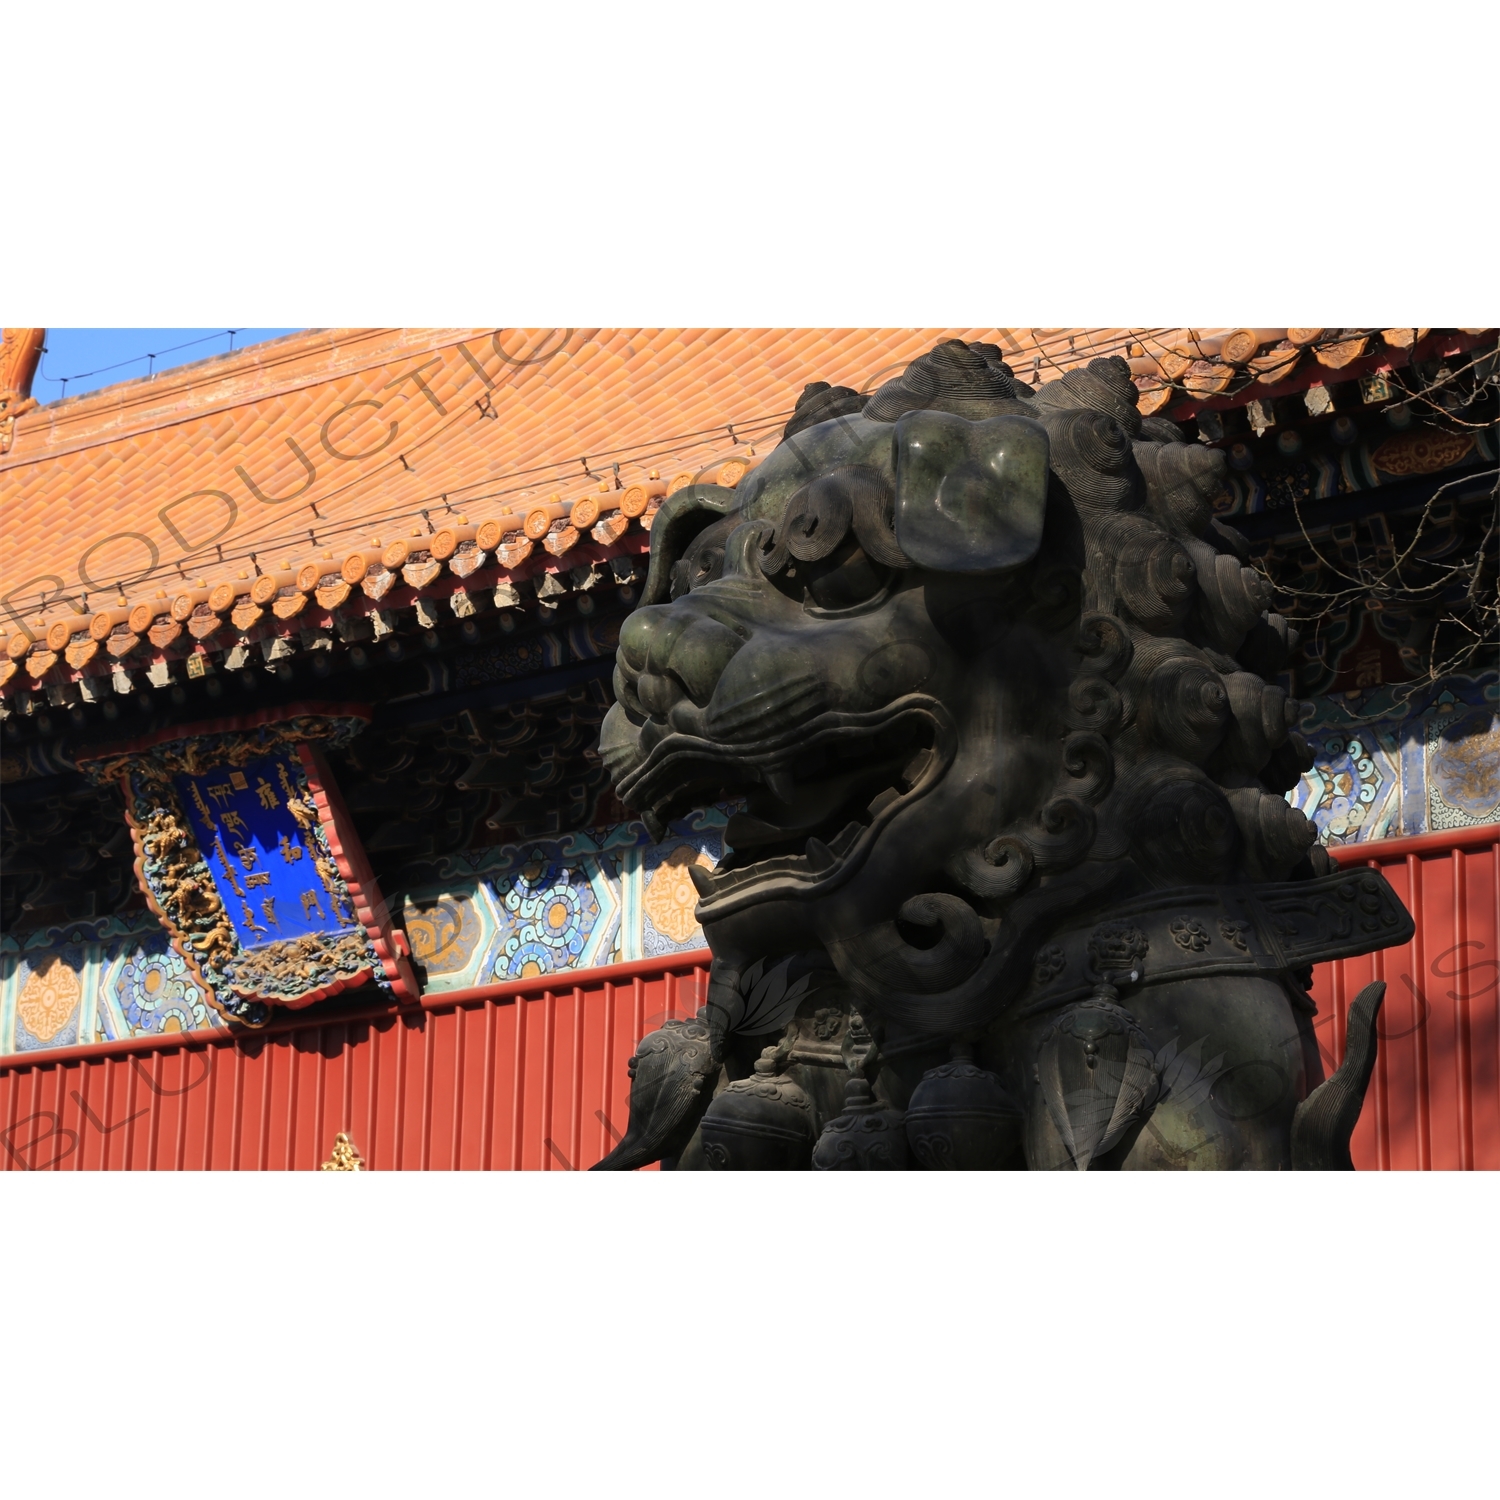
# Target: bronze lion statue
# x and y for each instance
(1014, 883)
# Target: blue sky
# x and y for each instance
(85, 355)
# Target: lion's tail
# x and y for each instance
(1325, 1120)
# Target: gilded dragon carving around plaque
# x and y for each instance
(192, 754)
(300, 963)
(177, 875)
(233, 857)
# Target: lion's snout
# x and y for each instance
(669, 654)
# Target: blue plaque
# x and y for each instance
(258, 828)
(244, 852)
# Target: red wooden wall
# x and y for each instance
(519, 1076)
(1434, 1102)
(526, 1076)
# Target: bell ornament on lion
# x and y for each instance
(988, 682)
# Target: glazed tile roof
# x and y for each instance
(321, 478)
(261, 437)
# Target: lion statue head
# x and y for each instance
(972, 657)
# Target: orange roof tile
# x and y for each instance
(314, 443)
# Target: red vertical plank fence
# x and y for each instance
(1434, 1102)
(528, 1075)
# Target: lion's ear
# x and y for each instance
(971, 497)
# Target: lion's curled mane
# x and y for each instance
(1177, 750)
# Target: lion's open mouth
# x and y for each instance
(816, 798)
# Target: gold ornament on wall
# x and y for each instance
(344, 1157)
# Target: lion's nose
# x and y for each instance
(668, 653)
(700, 654)
(646, 637)
(658, 693)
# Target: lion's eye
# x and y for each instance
(697, 568)
(703, 561)
(853, 579)
(815, 554)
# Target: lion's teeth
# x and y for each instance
(915, 767)
(780, 784)
(819, 855)
(654, 826)
(703, 882)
